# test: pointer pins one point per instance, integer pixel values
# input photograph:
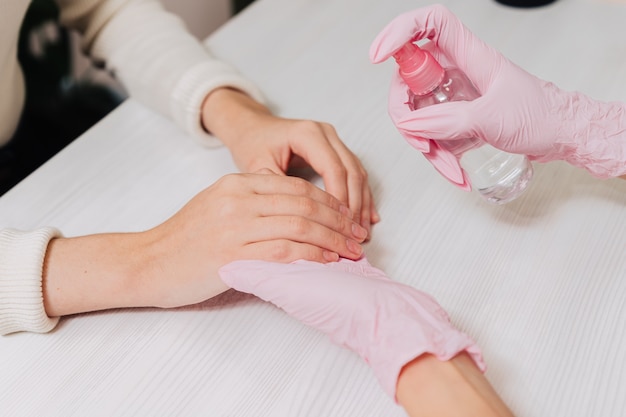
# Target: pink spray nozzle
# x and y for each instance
(421, 72)
(410, 57)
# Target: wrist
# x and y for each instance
(591, 135)
(228, 114)
(429, 387)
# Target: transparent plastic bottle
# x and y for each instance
(498, 176)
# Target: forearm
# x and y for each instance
(158, 61)
(94, 272)
(428, 387)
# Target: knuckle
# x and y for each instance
(339, 171)
(275, 201)
(307, 207)
(298, 186)
(229, 206)
(299, 226)
(280, 251)
(285, 251)
(328, 128)
(308, 126)
(341, 223)
(364, 174)
(229, 181)
(336, 242)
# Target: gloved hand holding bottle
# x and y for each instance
(516, 111)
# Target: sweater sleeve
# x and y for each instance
(158, 61)
(21, 266)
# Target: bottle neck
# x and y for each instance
(419, 69)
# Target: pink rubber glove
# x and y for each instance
(387, 323)
(517, 112)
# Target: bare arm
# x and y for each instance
(93, 273)
(428, 387)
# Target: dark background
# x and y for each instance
(58, 108)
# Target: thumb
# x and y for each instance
(266, 164)
(309, 291)
(268, 171)
(245, 276)
(279, 283)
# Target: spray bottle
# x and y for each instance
(498, 176)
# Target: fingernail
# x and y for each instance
(375, 217)
(354, 247)
(359, 231)
(330, 256)
(368, 228)
(345, 211)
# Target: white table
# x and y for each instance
(539, 283)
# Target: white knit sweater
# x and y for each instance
(159, 63)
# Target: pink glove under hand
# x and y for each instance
(517, 112)
(387, 323)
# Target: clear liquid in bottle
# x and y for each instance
(498, 176)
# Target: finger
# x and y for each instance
(286, 251)
(359, 193)
(269, 171)
(286, 185)
(355, 198)
(440, 25)
(298, 162)
(356, 177)
(253, 277)
(398, 98)
(448, 166)
(434, 22)
(366, 208)
(445, 121)
(302, 284)
(406, 27)
(307, 290)
(355, 181)
(301, 206)
(302, 230)
(265, 162)
(399, 110)
(314, 146)
(375, 216)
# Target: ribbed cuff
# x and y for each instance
(22, 256)
(193, 88)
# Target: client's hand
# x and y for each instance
(242, 216)
(387, 323)
(258, 139)
(248, 216)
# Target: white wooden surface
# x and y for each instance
(539, 283)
